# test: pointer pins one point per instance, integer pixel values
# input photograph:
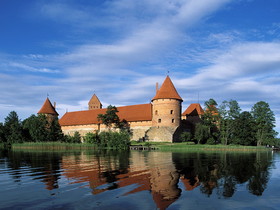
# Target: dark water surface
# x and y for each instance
(139, 180)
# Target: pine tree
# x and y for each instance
(13, 128)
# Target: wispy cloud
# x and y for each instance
(124, 47)
(30, 68)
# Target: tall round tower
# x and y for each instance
(167, 106)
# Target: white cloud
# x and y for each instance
(147, 38)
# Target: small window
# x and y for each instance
(171, 111)
(156, 112)
(173, 120)
(159, 120)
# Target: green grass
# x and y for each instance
(51, 146)
(199, 147)
(162, 146)
(190, 146)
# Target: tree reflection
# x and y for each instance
(47, 164)
(160, 173)
(225, 170)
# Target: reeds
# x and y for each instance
(52, 146)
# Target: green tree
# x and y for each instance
(186, 136)
(202, 133)
(13, 128)
(229, 111)
(211, 119)
(35, 128)
(211, 115)
(245, 134)
(54, 131)
(110, 118)
(2, 133)
(265, 123)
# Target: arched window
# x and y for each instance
(173, 120)
(171, 111)
(159, 120)
(156, 112)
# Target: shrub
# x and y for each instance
(186, 136)
(109, 139)
(91, 138)
(73, 139)
(211, 141)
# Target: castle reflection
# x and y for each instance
(165, 175)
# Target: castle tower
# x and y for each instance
(94, 103)
(167, 106)
(48, 110)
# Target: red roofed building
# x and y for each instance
(159, 120)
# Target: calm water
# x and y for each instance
(139, 180)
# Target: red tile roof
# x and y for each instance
(141, 112)
(167, 90)
(194, 109)
(47, 108)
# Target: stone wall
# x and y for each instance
(160, 134)
(138, 129)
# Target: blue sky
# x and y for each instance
(119, 49)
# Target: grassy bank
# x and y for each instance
(199, 147)
(51, 146)
(162, 146)
(189, 146)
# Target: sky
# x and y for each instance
(118, 49)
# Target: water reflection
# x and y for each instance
(165, 175)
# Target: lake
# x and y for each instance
(139, 180)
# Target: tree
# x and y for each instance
(54, 131)
(265, 122)
(211, 114)
(202, 133)
(229, 111)
(186, 136)
(35, 128)
(211, 119)
(234, 109)
(110, 117)
(13, 128)
(2, 133)
(245, 134)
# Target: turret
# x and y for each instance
(94, 103)
(48, 110)
(167, 105)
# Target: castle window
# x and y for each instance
(156, 112)
(173, 120)
(159, 120)
(171, 111)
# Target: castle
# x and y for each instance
(161, 120)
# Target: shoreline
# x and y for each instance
(162, 146)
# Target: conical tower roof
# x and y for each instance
(167, 91)
(94, 99)
(47, 108)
